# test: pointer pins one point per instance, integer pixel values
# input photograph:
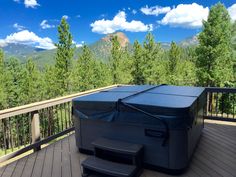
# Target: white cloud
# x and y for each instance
(155, 10)
(186, 15)
(28, 38)
(65, 17)
(18, 1)
(232, 11)
(44, 25)
(119, 22)
(18, 27)
(134, 11)
(31, 3)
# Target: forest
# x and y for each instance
(212, 63)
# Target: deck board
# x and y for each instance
(215, 156)
(57, 165)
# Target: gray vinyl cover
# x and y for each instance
(166, 108)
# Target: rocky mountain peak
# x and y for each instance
(122, 38)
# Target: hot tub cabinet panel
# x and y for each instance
(167, 120)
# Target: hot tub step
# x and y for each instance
(94, 165)
(118, 146)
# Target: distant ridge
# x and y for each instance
(101, 49)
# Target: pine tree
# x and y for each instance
(115, 60)
(50, 87)
(84, 76)
(13, 83)
(31, 83)
(64, 57)
(154, 70)
(173, 63)
(233, 41)
(3, 95)
(214, 62)
(174, 57)
(138, 65)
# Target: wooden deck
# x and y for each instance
(215, 156)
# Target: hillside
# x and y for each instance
(101, 49)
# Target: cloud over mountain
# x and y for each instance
(28, 38)
(119, 23)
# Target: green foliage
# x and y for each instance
(88, 73)
(49, 84)
(174, 57)
(115, 60)
(3, 96)
(214, 61)
(31, 83)
(138, 65)
(14, 82)
(64, 56)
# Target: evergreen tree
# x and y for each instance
(152, 59)
(115, 60)
(233, 41)
(173, 63)
(214, 62)
(64, 57)
(83, 76)
(138, 65)
(31, 83)
(13, 83)
(50, 87)
(3, 95)
(174, 57)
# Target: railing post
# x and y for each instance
(35, 129)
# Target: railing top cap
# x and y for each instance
(47, 103)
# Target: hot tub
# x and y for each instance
(167, 120)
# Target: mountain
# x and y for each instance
(20, 50)
(101, 49)
(191, 41)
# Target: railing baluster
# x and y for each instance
(229, 109)
(222, 103)
(217, 100)
(65, 113)
(45, 123)
(62, 126)
(69, 113)
(234, 98)
(4, 135)
(57, 119)
(17, 132)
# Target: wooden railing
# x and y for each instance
(28, 127)
(221, 104)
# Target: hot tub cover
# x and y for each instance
(151, 101)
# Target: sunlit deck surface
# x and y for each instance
(215, 156)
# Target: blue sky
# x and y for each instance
(34, 22)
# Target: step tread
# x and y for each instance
(109, 168)
(117, 146)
